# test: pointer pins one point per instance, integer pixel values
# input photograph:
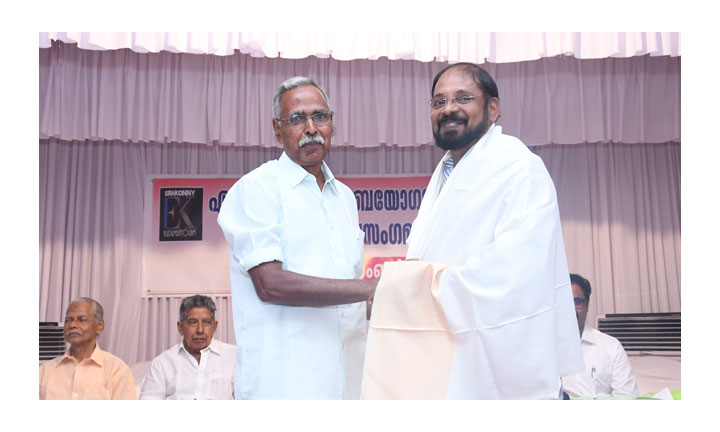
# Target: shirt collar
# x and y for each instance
(95, 357)
(295, 174)
(588, 335)
(214, 347)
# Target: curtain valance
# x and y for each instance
(475, 47)
(205, 99)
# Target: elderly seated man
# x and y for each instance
(608, 372)
(85, 371)
(199, 367)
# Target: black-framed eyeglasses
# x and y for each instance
(320, 118)
(438, 103)
(579, 302)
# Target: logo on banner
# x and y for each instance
(181, 211)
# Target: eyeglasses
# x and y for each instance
(320, 118)
(438, 103)
(579, 302)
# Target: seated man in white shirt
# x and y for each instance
(199, 367)
(608, 372)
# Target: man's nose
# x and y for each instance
(310, 127)
(200, 329)
(449, 107)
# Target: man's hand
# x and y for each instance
(373, 283)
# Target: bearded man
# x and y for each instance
(491, 213)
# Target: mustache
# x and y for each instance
(454, 117)
(310, 139)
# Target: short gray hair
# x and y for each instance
(290, 84)
(97, 309)
(196, 301)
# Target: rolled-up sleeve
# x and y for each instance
(250, 220)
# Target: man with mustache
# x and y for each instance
(296, 251)
(608, 372)
(490, 211)
(198, 368)
(85, 371)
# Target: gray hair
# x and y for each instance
(196, 301)
(290, 84)
(97, 309)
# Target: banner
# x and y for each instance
(387, 207)
(184, 249)
(185, 252)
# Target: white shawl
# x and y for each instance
(506, 297)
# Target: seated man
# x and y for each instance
(607, 369)
(85, 371)
(199, 367)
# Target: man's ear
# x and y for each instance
(100, 327)
(276, 128)
(494, 109)
(179, 325)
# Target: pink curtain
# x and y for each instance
(619, 205)
(620, 212)
(165, 97)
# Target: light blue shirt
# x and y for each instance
(277, 212)
(447, 167)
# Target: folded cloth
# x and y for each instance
(409, 348)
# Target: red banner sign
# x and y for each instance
(185, 252)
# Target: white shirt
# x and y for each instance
(608, 372)
(278, 213)
(175, 374)
(506, 297)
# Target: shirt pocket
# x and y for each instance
(353, 239)
(97, 389)
(219, 386)
(602, 377)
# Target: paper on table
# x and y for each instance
(664, 394)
